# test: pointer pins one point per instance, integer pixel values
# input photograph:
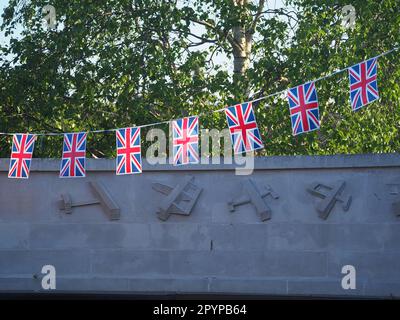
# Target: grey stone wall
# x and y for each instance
(213, 250)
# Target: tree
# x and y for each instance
(117, 63)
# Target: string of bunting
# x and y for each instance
(241, 121)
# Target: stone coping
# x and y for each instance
(260, 163)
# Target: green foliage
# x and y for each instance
(119, 63)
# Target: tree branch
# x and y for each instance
(221, 33)
(257, 16)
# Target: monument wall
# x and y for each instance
(287, 229)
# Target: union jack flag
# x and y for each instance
(21, 155)
(129, 159)
(242, 125)
(304, 108)
(73, 157)
(363, 83)
(185, 136)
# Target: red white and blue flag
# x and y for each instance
(185, 138)
(363, 83)
(304, 108)
(243, 127)
(129, 158)
(21, 155)
(74, 154)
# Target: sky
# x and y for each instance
(3, 4)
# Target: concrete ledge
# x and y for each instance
(260, 163)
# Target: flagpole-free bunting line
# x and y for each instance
(129, 159)
(241, 121)
(323, 77)
(214, 111)
(243, 128)
(185, 141)
(74, 155)
(21, 156)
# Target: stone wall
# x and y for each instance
(213, 250)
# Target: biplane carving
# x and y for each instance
(330, 196)
(103, 199)
(180, 200)
(255, 197)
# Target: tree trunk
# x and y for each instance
(241, 49)
(242, 43)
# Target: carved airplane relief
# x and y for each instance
(180, 199)
(103, 198)
(255, 197)
(330, 196)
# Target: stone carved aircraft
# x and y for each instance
(255, 197)
(180, 199)
(103, 198)
(330, 196)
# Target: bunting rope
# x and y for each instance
(214, 111)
